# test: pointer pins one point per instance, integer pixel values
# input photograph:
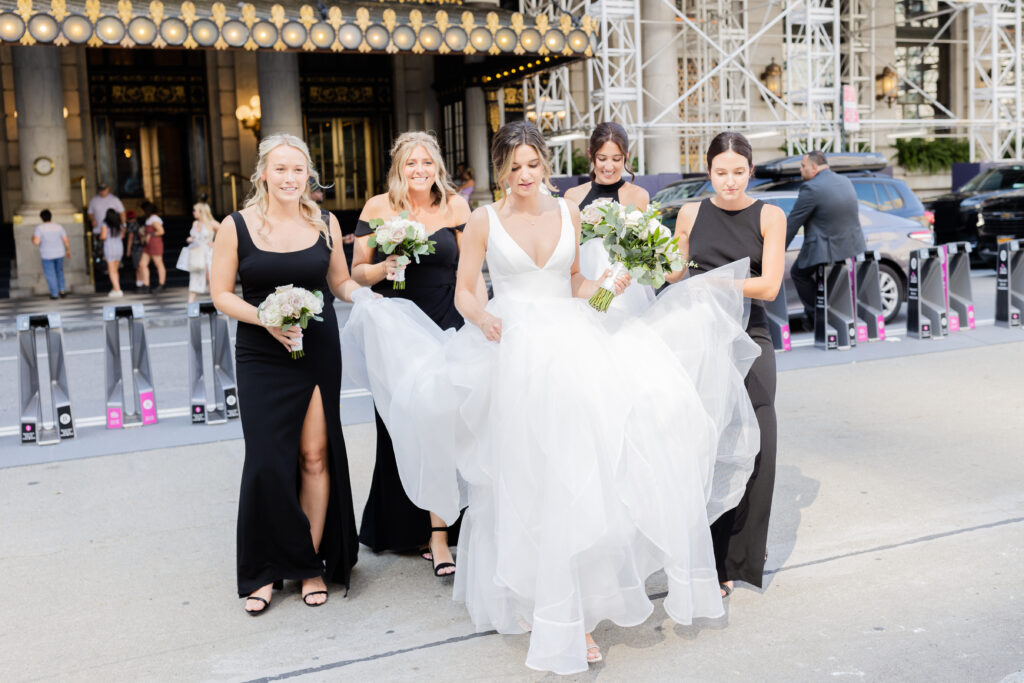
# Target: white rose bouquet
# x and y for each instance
(401, 236)
(288, 306)
(593, 215)
(636, 242)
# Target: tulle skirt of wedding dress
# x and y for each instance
(592, 450)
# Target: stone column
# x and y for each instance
(280, 100)
(661, 86)
(477, 147)
(45, 176)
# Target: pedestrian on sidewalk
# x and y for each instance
(200, 250)
(827, 208)
(112, 237)
(134, 247)
(153, 249)
(52, 240)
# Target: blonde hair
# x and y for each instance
(509, 138)
(205, 213)
(260, 198)
(398, 186)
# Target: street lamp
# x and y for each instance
(772, 78)
(886, 85)
(249, 115)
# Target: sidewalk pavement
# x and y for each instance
(85, 311)
(895, 554)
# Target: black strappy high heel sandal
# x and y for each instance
(443, 565)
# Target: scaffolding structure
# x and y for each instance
(995, 97)
(826, 44)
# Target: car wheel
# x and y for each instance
(893, 295)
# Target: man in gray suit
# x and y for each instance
(827, 208)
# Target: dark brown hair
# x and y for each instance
(508, 138)
(730, 142)
(817, 157)
(609, 132)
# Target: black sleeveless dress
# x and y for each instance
(274, 391)
(599, 191)
(390, 520)
(740, 536)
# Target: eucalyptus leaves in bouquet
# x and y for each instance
(636, 242)
(404, 237)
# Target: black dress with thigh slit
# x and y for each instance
(740, 535)
(390, 520)
(274, 393)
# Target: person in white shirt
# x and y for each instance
(52, 240)
(98, 205)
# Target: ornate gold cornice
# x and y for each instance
(367, 28)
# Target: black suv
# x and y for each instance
(989, 205)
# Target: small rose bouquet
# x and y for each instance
(288, 306)
(401, 236)
(636, 243)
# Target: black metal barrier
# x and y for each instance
(33, 429)
(223, 367)
(1009, 283)
(834, 319)
(958, 290)
(927, 291)
(140, 408)
(865, 283)
(778, 321)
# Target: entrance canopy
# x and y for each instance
(365, 28)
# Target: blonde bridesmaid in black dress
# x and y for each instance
(295, 517)
(418, 183)
(727, 227)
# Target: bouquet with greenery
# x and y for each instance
(404, 237)
(636, 243)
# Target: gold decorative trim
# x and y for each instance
(440, 24)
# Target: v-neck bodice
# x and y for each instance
(516, 275)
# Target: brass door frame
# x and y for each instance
(340, 125)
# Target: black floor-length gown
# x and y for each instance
(274, 391)
(740, 535)
(390, 520)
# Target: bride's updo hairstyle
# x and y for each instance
(260, 197)
(730, 142)
(610, 132)
(398, 185)
(503, 148)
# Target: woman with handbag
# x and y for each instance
(200, 248)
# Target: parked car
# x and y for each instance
(893, 237)
(1002, 215)
(875, 190)
(959, 215)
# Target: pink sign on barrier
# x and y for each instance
(970, 316)
(954, 321)
(114, 418)
(787, 344)
(148, 407)
(881, 328)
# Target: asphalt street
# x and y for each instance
(895, 550)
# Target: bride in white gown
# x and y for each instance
(592, 449)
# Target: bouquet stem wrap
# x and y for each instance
(399, 281)
(602, 298)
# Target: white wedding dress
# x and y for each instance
(592, 449)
